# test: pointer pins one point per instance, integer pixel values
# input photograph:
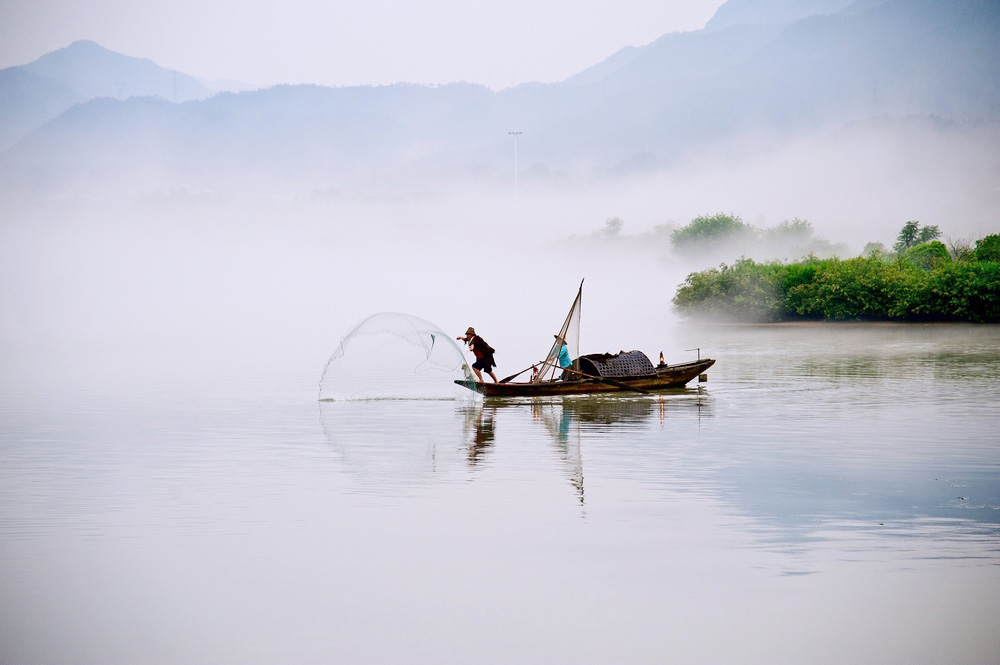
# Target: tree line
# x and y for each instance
(920, 279)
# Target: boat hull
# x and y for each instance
(671, 376)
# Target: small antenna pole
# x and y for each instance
(515, 135)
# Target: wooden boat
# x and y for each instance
(669, 376)
(593, 374)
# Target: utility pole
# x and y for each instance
(515, 135)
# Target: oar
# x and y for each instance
(514, 376)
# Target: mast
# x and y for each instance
(551, 363)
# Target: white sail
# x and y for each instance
(570, 333)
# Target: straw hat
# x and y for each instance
(470, 331)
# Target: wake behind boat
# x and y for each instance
(626, 371)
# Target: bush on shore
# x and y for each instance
(924, 285)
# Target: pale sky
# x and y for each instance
(351, 43)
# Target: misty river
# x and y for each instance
(212, 448)
(830, 495)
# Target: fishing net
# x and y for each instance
(395, 356)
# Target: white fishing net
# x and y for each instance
(395, 356)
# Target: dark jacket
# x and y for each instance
(481, 349)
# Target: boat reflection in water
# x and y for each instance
(569, 419)
(394, 446)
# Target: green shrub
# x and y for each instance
(988, 249)
(928, 255)
(799, 230)
(924, 285)
(707, 231)
(746, 290)
(859, 288)
(800, 273)
(968, 291)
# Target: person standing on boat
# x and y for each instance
(483, 352)
(564, 360)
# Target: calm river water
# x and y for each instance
(830, 495)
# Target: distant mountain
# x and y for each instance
(93, 71)
(766, 76)
(895, 59)
(772, 12)
(301, 132)
(228, 85)
(28, 100)
(678, 58)
(889, 59)
(34, 93)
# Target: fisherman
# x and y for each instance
(483, 352)
(564, 360)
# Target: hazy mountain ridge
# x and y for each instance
(36, 92)
(772, 12)
(641, 109)
(94, 71)
(309, 132)
(27, 100)
(910, 57)
(895, 59)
